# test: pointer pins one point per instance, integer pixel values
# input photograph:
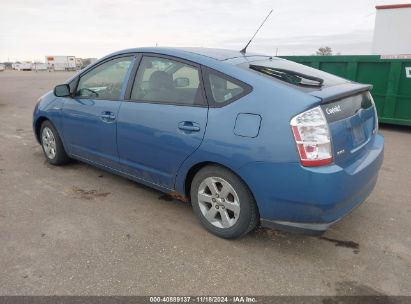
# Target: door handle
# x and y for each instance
(107, 116)
(189, 126)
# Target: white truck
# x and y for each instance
(61, 63)
(40, 66)
(2, 68)
(22, 66)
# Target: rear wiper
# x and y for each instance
(289, 76)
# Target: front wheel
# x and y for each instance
(52, 146)
(223, 202)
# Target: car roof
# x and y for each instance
(219, 54)
(187, 52)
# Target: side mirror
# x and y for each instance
(182, 82)
(62, 90)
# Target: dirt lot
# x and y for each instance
(77, 230)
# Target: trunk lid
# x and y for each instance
(351, 116)
(347, 106)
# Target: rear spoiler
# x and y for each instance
(341, 91)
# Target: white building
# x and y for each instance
(392, 32)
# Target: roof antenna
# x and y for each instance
(245, 48)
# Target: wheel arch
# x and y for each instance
(37, 126)
(198, 166)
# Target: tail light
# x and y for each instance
(375, 130)
(312, 137)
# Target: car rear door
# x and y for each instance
(90, 116)
(163, 121)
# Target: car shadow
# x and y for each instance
(283, 242)
(395, 128)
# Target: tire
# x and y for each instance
(223, 202)
(52, 146)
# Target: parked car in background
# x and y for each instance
(2, 67)
(15, 65)
(246, 138)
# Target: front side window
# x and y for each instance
(104, 81)
(168, 81)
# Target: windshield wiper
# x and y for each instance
(289, 76)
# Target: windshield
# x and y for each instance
(272, 67)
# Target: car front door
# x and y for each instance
(164, 121)
(90, 116)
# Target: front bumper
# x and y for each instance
(298, 198)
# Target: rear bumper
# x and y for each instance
(310, 200)
(306, 228)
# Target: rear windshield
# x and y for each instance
(292, 67)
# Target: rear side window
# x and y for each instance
(104, 81)
(163, 80)
(223, 89)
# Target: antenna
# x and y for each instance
(245, 48)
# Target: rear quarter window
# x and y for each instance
(222, 89)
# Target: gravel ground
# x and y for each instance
(77, 230)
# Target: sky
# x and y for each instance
(30, 30)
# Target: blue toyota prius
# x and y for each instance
(248, 139)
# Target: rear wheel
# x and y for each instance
(52, 146)
(223, 202)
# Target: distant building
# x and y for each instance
(7, 65)
(392, 32)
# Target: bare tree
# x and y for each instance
(324, 51)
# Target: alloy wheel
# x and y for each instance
(48, 142)
(218, 202)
